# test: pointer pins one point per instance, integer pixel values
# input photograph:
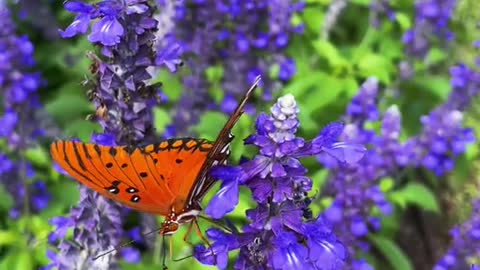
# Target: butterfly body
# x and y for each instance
(168, 178)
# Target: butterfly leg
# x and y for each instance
(200, 234)
(187, 234)
(164, 247)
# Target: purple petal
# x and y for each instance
(346, 152)
(224, 201)
(78, 7)
(329, 134)
(131, 255)
(78, 26)
(226, 173)
(107, 31)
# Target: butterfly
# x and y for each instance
(168, 178)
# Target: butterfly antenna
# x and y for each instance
(123, 245)
(248, 94)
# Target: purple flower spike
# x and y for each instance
(21, 120)
(465, 244)
(432, 18)
(282, 220)
(125, 32)
(353, 182)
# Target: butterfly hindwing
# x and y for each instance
(126, 175)
(185, 158)
(149, 179)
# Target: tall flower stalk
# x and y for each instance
(20, 121)
(124, 32)
(281, 233)
(355, 187)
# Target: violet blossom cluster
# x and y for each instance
(280, 233)
(20, 122)
(124, 32)
(431, 22)
(243, 38)
(465, 245)
(444, 136)
(355, 187)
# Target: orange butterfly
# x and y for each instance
(168, 178)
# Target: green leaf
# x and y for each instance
(328, 51)
(371, 64)
(319, 178)
(403, 20)
(7, 201)
(9, 260)
(436, 56)
(416, 194)
(313, 18)
(162, 119)
(9, 238)
(386, 184)
(214, 73)
(38, 156)
(434, 84)
(326, 91)
(395, 256)
(81, 129)
(68, 105)
(307, 82)
(210, 125)
(65, 192)
(361, 2)
(24, 261)
(472, 152)
(172, 86)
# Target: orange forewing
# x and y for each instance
(150, 179)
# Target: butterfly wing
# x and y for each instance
(141, 178)
(220, 149)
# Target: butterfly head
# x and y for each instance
(174, 220)
(169, 227)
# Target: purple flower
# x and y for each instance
(431, 20)
(364, 105)
(444, 137)
(243, 39)
(21, 122)
(465, 244)
(124, 30)
(93, 213)
(277, 236)
(354, 187)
